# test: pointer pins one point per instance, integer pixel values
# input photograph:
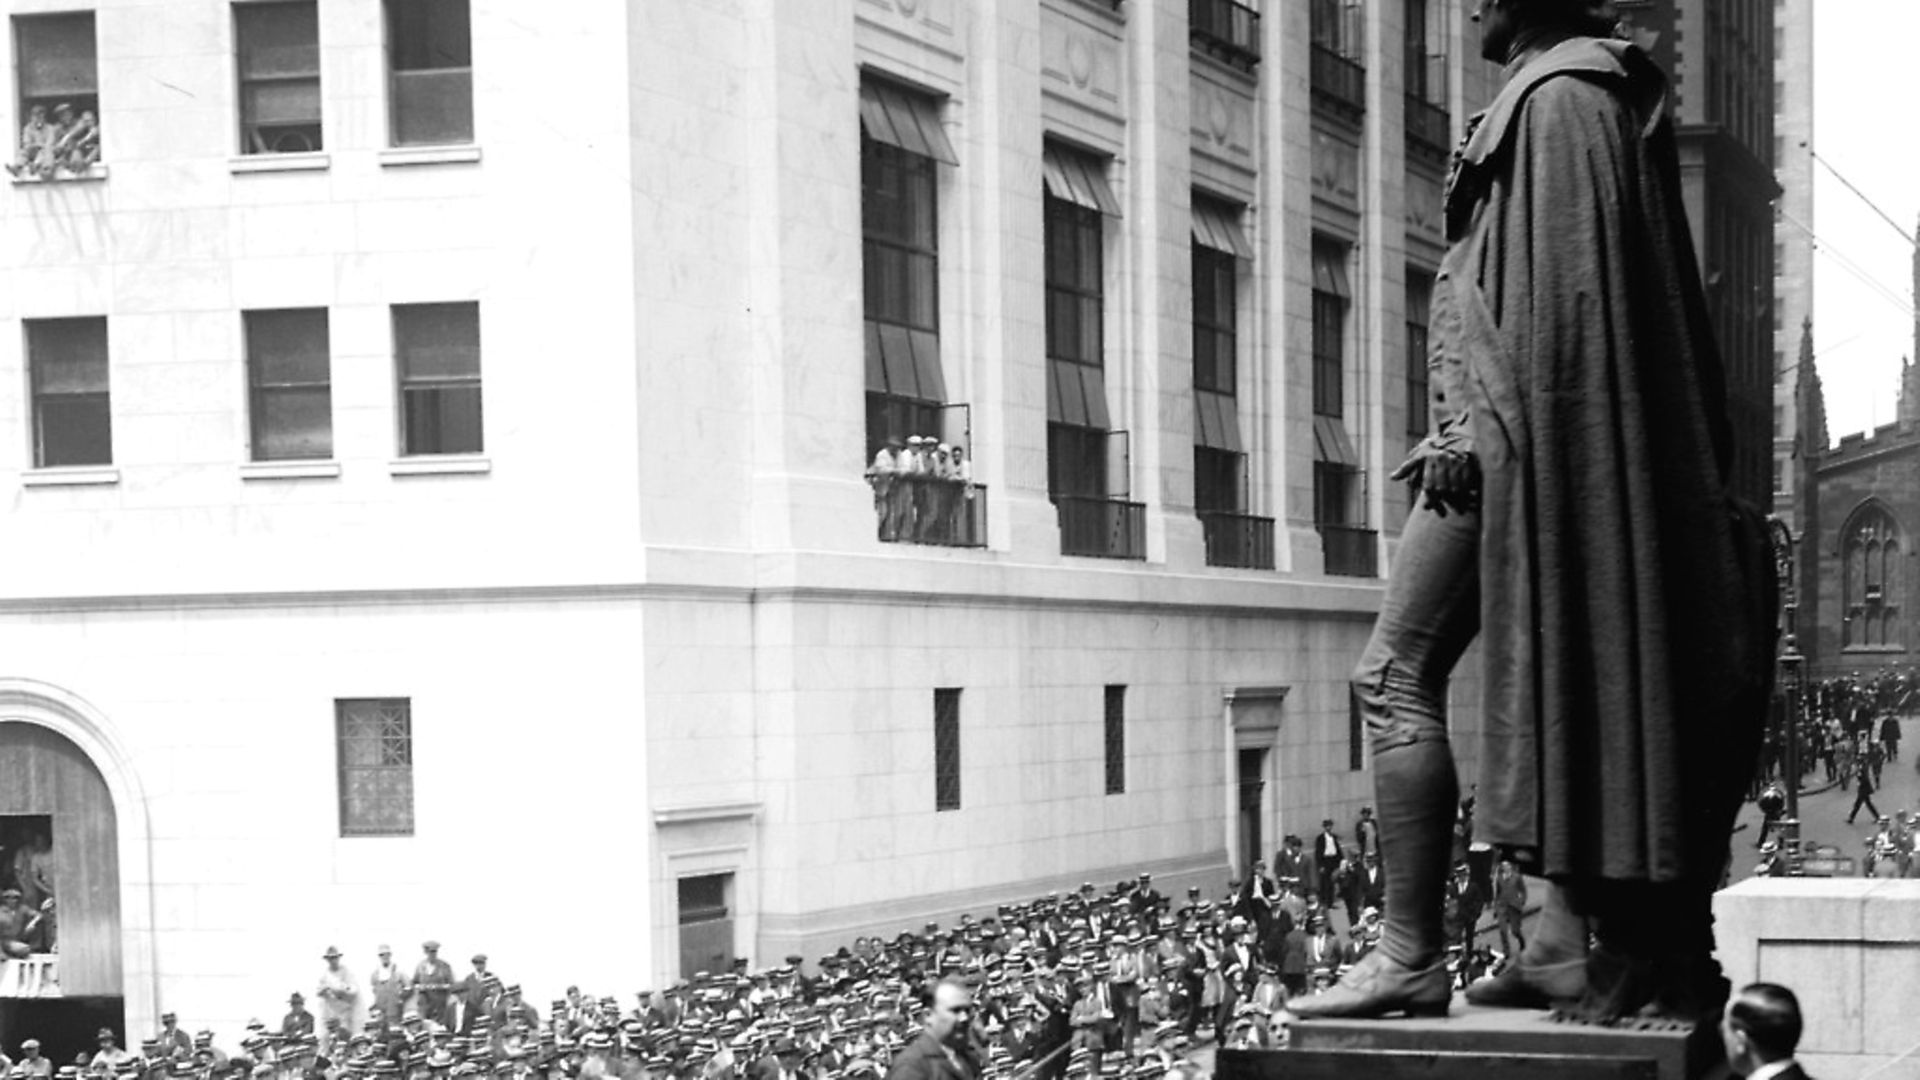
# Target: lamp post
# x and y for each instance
(1793, 666)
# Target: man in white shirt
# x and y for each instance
(1760, 1029)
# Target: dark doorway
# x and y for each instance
(706, 924)
(64, 1026)
(1252, 784)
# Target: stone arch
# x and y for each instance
(74, 718)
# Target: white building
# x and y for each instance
(435, 466)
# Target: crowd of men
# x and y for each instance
(1090, 984)
(922, 491)
(66, 142)
(1851, 724)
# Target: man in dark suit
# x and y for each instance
(782, 1062)
(942, 1051)
(1328, 853)
(1760, 1029)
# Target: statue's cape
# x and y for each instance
(1623, 626)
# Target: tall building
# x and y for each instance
(454, 441)
(1792, 249)
(1721, 58)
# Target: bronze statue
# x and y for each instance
(1573, 513)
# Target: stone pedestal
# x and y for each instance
(1849, 948)
(1482, 1044)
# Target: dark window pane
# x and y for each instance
(1116, 739)
(429, 34)
(277, 40)
(291, 423)
(946, 749)
(443, 420)
(288, 347)
(437, 339)
(56, 56)
(432, 108)
(74, 429)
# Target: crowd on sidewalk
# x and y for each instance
(1083, 985)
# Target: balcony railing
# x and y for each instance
(936, 510)
(1239, 540)
(1350, 551)
(1338, 80)
(1102, 528)
(1226, 30)
(1429, 127)
(923, 488)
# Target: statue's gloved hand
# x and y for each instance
(1445, 472)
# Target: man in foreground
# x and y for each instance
(1573, 514)
(943, 1051)
(1760, 1030)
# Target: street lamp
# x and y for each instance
(1793, 666)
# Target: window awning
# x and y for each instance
(1077, 395)
(1330, 442)
(1078, 178)
(1217, 421)
(904, 119)
(1330, 270)
(1217, 225)
(904, 362)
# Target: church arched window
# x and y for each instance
(1871, 576)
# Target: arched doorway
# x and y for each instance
(69, 800)
(61, 836)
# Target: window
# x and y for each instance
(437, 349)
(1330, 293)
(278, 47)
(72, 414)
(1873, 584)
(375, 741)
(1419, 312)
(1116, 740)
(59, 94)
(706, 924)
(901, 146)
(430, 72)
(289, 377)
(1216, 287)
(1077, 398)
(946, 749)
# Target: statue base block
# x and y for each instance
(1479, 1044)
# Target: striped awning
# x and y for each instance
(1217, 225)
(1078, 178)
(904, 362)
(1077, 395)
(904, 119)
(1216, 421)
(1330, 270)
(1330, 441)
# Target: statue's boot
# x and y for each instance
(1416, 791)
(1380, 986)
(1551, 970)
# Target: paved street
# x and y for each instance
(1823, 813)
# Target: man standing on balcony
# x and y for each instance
(1574, 513)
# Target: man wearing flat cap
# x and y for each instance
(433, 986)
(473, 993)
(32, 1066)
(171, 1037)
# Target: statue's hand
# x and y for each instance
(1446, 475)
